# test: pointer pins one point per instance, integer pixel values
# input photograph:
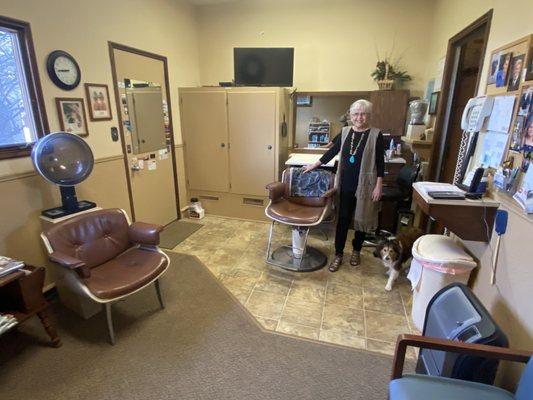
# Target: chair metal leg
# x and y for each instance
(107, 307)
(269, 247)
(158, 291)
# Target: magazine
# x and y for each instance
(8, 265)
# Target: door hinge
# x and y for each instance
(181, 100)
(230, 185)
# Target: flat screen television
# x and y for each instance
(263, 66)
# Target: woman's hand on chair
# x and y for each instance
(310, 167)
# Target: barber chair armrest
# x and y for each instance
(144, 233)
(330, 193)
(71, 263)
(276, 190)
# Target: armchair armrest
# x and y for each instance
(143, 233)
(330, 193)
(454, 346)
(276, 190)
(71, 263)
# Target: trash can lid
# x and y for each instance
(442, 250)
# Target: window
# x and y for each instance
(22, 116)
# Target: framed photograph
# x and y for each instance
(304, 101)
(516, 134)
(503, 69)
(493, 69)
(517, 64)
(527, 137)
(529, 65)
(98, 102)
(433, 103)
(71, 113)
(525, 103)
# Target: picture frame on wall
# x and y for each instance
(525, 101)
(493, 69)
(529, 65)
(304, 101)
(433, 103)
(98, 102)
(503, 69)
(72, 117)
(515, 72)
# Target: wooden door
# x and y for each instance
(151, 173)
(252, 133)
(389, 110)
(205, 135)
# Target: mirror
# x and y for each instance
(144, 114)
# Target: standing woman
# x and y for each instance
(359, 179)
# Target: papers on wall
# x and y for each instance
(502, 113)
(524, 194)
(439, 74)
(493, 149)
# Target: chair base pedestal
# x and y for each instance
(283, 257)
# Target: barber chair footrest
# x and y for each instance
(283, 257)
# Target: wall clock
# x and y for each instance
(63, 70)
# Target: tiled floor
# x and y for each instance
(349, 307)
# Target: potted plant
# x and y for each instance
(387, 74)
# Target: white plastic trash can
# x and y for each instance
(437, 261)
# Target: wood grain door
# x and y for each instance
(205, 135)
(252, 132)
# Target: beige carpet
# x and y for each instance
(204, 345)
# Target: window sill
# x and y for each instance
(15, 152)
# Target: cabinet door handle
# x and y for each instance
(269, 147)
(222, 144)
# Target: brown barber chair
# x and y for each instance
(106, 258)
(301, 202)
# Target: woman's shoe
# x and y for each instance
(335, 264)
(355, 258)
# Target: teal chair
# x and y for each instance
(420, 387)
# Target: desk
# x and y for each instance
(465, 218)
(21, 294)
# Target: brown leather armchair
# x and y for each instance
(106, 258)
(301, 212)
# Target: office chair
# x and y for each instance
(402, 195)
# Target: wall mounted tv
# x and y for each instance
(263, 66)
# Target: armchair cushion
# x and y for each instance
(124, 274)
(143, 233)
(293, 213)
(415, 387)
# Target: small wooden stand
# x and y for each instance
(21, 295)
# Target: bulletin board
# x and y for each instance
(510, 75)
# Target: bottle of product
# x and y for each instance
(195, 209)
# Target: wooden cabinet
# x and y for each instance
(390, 110)
(21, 295)
(234, 144)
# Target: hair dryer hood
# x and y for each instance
(63, 158)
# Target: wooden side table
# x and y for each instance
(21, 295)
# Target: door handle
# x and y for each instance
(222, 144)
(269, 147)
(135, 168)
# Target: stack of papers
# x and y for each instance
(7, 321)
(427, 187)
(8, 265)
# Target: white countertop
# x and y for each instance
(423, 187)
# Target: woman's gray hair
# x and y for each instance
(365, 104)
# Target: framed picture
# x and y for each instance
(433, 103)
(71, 113)
(98, 102)
(525, 103)
(493, 69)
(516, 135)
(304, 101)
(529, 65)
(503, 69)
(515, 76)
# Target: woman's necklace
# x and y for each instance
(353, 152)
